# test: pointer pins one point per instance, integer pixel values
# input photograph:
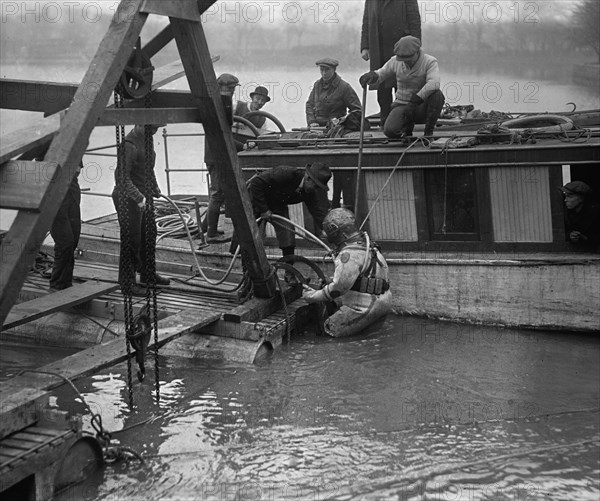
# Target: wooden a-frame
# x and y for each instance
(70, 139)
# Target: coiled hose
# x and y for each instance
(282, 221)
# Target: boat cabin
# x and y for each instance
(488, 198)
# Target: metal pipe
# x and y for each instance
(360, 149)
(167, 170)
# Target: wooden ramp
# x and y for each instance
(57, 301)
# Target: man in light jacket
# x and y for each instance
(418, 96)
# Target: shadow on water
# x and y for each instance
(414, 409)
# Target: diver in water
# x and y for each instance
(360, 287)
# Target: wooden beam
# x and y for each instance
(182, 9)
(28, 95)
(131, 116)
(58, 301)
(20, 141)
(202, 81)
(256, 309)
(24, 183)
(160, 41)
(52, 97)
(21, 409)
(28, 230)
(171, 72)
(91, 360)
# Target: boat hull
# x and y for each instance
(549, 291)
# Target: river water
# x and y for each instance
(412, 409)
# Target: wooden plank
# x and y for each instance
(96, 358)
(28, 230)
(24, 183)
(171, 72)
(29, 95)
(257, 308)
(40, 462)
(52, 97)
(201, 78)
(252, 331)
(22, 140)
(57, 301)
(132, 116)
(160, 41)
(20, 409)
(182, 9)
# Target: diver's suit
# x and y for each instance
(361, 292)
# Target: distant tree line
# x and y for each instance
(557, 29)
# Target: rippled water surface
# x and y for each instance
(413, 409)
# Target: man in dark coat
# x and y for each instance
(582, 217)
(384, 23)
(273, 190)
(129, 196)
(331, 97)
(216, 198)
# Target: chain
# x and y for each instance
(150, 264)
(126, 251)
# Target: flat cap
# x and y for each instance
(407, 47)
(577, 187)
(328, 61)
(227, 79)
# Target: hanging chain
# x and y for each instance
(150, 232)
(126, 250)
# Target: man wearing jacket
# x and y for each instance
(331, 97)
(129, 196)
(384, 23)
(273, 190)
(418, 96)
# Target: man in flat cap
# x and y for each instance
(385, 22)
(227, 84)
(582, 217)
(331, 97)
(418, 96)
(259, 98)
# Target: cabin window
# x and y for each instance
(451, 204)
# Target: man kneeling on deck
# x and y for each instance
(360, 287)
(418, 98)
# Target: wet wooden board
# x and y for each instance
(41, 459)
(98, 357)
(57, 301)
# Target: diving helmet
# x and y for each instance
(340, 225)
